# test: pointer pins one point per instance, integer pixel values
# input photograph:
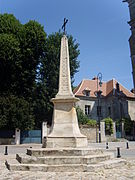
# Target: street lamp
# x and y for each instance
(99, 83)
(120, 96)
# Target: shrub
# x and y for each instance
(83, 119)
(108, 126)
(128, 126)
(92, 122)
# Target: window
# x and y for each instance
(98, 110)
(87, 110)
(87, 93)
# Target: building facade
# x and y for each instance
(116, 101)
(131, 4)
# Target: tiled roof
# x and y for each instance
(107, 88)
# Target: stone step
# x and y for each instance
(64, 167)
(63, 152)
(54, 160)
(109, 164)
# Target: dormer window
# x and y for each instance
(86, 92)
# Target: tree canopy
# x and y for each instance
(21, 47)
(29, 71)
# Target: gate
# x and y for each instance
(31, 136)
(118, 130)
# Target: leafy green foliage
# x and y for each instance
(83, 119)
(92, 122)
(15, 113)
(21, 48)
(128, 126)
(40, 105)
(32, 51)
(9, 24)
(108, 126)
(9, 62)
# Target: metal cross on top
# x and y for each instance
(64, 25)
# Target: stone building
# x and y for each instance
(116, 101)
(132, 37)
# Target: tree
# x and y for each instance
(49, 68)
(10, 25)
(33, 45)
(21, 50)
(15, 113)
(108, 125)
(10, 63)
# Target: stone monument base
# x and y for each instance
(65, 131)
(73, 142)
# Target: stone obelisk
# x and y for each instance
(65, 130)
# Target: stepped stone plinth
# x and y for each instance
(64, 160)
(63, 152)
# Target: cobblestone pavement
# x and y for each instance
(124, 172)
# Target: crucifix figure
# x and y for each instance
(64, 25)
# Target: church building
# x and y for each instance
(132, 37)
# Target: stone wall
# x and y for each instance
(131, 110)
(90, 132)
(4, 141)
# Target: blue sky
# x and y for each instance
(99, 26)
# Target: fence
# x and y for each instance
(30, 136)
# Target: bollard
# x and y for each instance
(44, 142)
(6, 150)
(107, 147)
(127, 146)
(118, 152)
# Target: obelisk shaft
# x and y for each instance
(64, 78)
